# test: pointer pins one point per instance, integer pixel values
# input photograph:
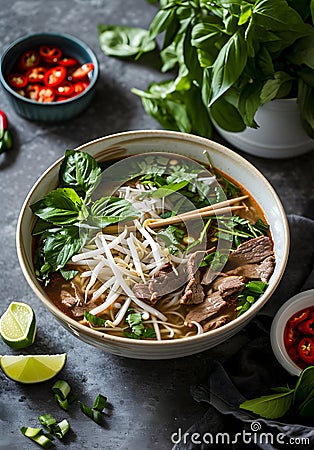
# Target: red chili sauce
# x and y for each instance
(299, 337)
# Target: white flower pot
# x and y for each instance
(280, 133)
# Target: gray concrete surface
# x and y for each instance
(149, 400)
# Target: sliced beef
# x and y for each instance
(250, 252)
(164, 282)
(71, 295)
(212, 304)
(194, 292)
(216, 322)
(228, 285)
(262, 271)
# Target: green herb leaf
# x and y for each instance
(109, 210)
(79, 171)
(123, 41)
(250, 293)
(270, 406)
(229, 65)
(60, 246)
(94, 320)
(304, 392)
(138, 330)
(68, 274)
(172, 237)
(169, 189)
(61, 206)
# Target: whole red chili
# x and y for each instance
(6, 138)
(306, 350)
(54, 76)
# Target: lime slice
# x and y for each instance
(32, 368)
(18, 325)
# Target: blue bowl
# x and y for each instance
(53, 111)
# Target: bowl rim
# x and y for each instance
(295, 304)
(65, 36)
(176, 135)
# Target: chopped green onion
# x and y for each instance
(61, 428)
(47, 421)
(63, 403)
(91, 413)
(62, 388)
(36, 435)
(100, 402)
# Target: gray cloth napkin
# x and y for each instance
(245, 367)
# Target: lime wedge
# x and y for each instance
(18, 325)
(32, 368)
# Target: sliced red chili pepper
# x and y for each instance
(46, 95)
(68, 62)
(32, 91)
(307, 327)
(54, 76)
(36, 75)
(299, 317)
(50, 53)
(291, 336)
(66, 89)
(306, 350)
(82, 71)
(79, 87)
(29, 60)
(17, 80)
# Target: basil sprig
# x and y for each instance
(299, 400)
(68, 216)
(228, 57)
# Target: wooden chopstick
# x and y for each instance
(158, 223)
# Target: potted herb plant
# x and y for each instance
(231, 60)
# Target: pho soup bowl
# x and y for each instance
(130, 143)
(294, 314)
(48, 99)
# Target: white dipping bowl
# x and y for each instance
(135, 142)
(288, 309)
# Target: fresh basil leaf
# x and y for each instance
(249, 102)
(169, 189)
(109, 210)
(68, 274)
(304, 388)
(302, 52)
(61, 206)
(226, 116)
(306, 106)
(172, 237)
(94, 320)
(79, 171)
(270, 406)
(229, 65)
(265, 63)
(59, 247)
(123, 41)
(279, 87)
(161, 22)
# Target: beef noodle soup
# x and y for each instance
(154, 246)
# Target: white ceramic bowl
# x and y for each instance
(280, 134)
(135, 142)
(295, 304)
